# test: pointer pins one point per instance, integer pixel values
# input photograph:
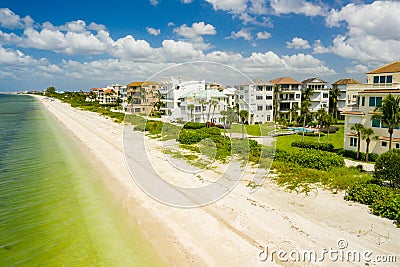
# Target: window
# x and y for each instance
(259, 97)
(137, 110)
(325, 95)
(268, 97)
(183, 108)
(259, 88)
(384, 143)
(197, 109)
(375, 101)
(398, 145)
(383, 79)
(259, 108)
(353, 141)
(376, 123)
(268, 117)
(268, 107)
(269, 88)
(298, 95)
(363, 101)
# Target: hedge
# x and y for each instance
(314, 145)
(353, 154)
(194, 125)
(382, 200)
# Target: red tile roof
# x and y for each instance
(389, 68)
(346, 81)
(284, 80)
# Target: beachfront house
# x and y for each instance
(141, 97)
(380, 83)
(257, 98)
(203, 105)
(347, 96)
(288, 93)
(317, 92)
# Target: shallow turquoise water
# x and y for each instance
(54, 208)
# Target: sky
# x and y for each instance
(77, 45)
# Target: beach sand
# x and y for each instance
(231, 231)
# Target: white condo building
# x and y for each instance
(319, 96)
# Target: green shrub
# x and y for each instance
(332, 129)
(383, 201)
(194, 125)
(315, 159)
(313, 145)
(353, 154)
(387, 167)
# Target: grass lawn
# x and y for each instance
(336, 139)
(254, 129)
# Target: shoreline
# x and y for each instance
(234, 229)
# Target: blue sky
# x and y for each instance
(76, 45)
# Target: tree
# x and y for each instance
(243, 115)
(320, 117)
(214, 103)
(387, 167)
(50, 91)
(307, 93)
(229, 117)
(191, 108)
(293, 112)
(358, 128)
(328, 121)
(366, 134)
(333, 96)
(203, 104)
(304, 111)
(276, 89)
(389, 114)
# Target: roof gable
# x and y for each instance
(389, 68)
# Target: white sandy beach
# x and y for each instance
(231, 231)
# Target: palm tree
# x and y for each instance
(304, 111)
(358, 127)
(328, 121)
(333, 95)
(203, 104)
(276, 89)
(320, 117)
(214, 103)
(243, 115)
(307, 93)
(389, 114)
(293, 112)
(191, 108)
(366, 134)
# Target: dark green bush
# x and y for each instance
(194, 125)
(353, 154)
(316, 159)
(332, 129)
(387, 167)
(383, 201)
(313, 145)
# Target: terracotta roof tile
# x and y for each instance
(346, 81)
(389, 68)
(284, 80)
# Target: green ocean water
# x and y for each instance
(54, 208)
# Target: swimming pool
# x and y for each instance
(300, 129)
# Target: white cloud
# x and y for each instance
(263, 35)
(129, 48)
(9, 20)
(233, 6)
(195, 32)
(154, 2)
(250, 19)
(197, 29)
(372, 32)
(297, 7)
(170, 24)
(298, 43)
(153, 31)
(258, 7)
(243, 33)
(357, 69)
(186, 1)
